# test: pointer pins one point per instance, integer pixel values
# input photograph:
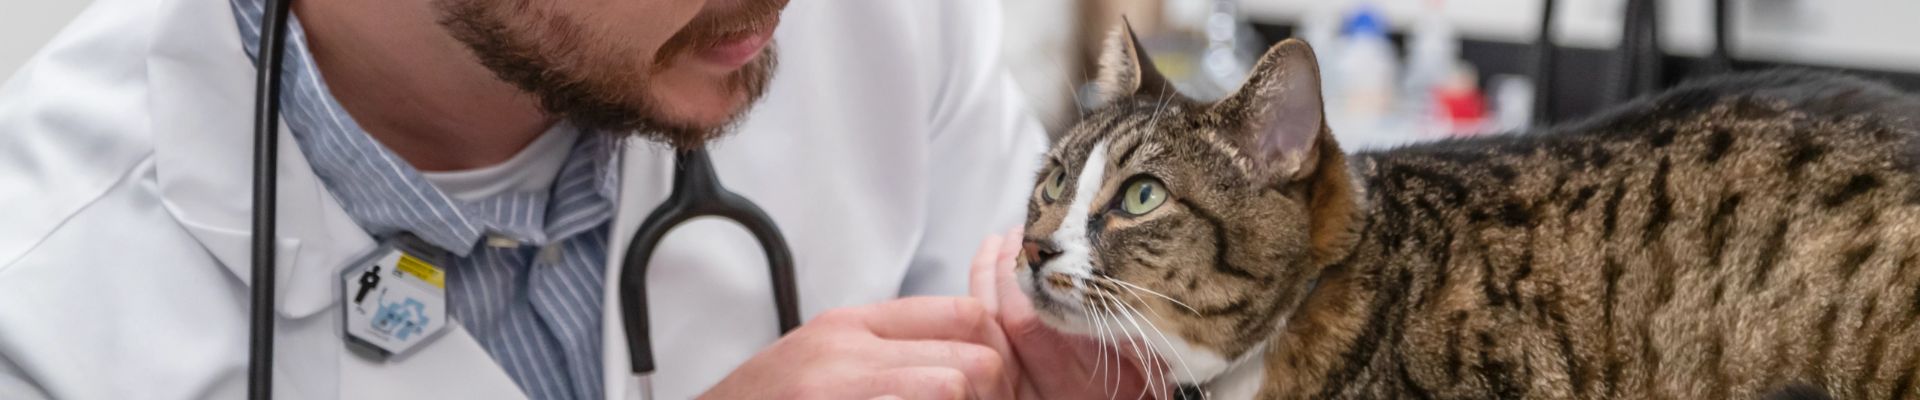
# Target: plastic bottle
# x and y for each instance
(1432, 52)
(1367, 67)
(1512, 103)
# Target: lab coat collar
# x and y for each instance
(203, 158)
(645, 174)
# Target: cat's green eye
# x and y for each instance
(1142, 195)
(1055, 184)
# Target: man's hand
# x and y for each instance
(913, 348)
(1059, 366)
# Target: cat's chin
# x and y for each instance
(1066, 321)
(1185, 363)
(1065, 316)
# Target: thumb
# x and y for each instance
(980, 274)
(1014, 307)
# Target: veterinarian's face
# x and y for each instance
(676, 70)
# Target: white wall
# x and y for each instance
(1873, 34)
(1038, 47)
(27, 25)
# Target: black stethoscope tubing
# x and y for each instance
(266, 155)
(696, 193)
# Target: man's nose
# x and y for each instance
(1038, 252)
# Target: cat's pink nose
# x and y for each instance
(1038, 252)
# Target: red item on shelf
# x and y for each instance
(1464, 109)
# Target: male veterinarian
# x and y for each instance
(516, 145)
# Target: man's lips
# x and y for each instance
(737, 49)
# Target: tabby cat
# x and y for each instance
(1725, 239)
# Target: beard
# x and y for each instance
(593, 83)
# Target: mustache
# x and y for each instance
(704, 31)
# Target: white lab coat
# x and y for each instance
(890, 142)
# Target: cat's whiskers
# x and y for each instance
(1075, 96)
(1087, 311)
(1155, 377)
(1115, 368)
(1164, 100)
(1130, 312)
(1108, 340)
(1105, 334)
(1139, 355)
(1150, 291)
(1156, 331)
(1133, 290)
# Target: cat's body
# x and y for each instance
(1723, 240)
(1719, 241)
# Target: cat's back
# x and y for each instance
(1780, 97)
(1805, 90)
(1786, 98)
(1797, 125)
(1725, 237)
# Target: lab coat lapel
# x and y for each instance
(444, 369)
(201, 96)
(644, 179)
(200, 92)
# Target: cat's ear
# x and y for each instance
(1279, 112)
(1125, 69)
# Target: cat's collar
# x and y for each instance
(1190, 391)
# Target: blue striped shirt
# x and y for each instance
(527, 267)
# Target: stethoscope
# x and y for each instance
(696, 193)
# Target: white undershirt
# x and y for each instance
(532, 169)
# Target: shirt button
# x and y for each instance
(551, 254)
(503, 242)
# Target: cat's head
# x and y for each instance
(1191, 227)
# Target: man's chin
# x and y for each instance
(680, 135)
(690, 129)
(712, 117)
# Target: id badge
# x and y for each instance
(395, 299)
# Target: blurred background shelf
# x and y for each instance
(1049, 45)
(1496, 39)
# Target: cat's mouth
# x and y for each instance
(1061, 301)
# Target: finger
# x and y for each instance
(958, 319)
(1011, 248)
(954, 319)
(1011, 304)
(980, 276)
(931, 383)
(989, 372)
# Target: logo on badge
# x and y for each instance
(401, 319)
